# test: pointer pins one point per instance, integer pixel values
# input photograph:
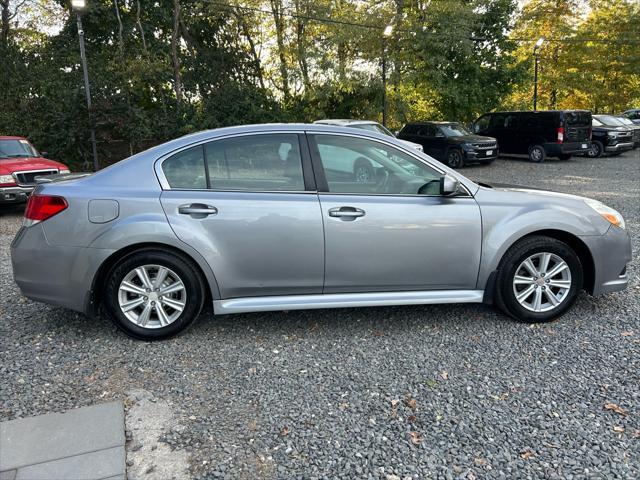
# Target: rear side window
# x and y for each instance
(410, 129)
(186, 170)
(269, 162)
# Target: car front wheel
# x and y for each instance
(538, 279)
(153, 294)
(595, 150)
(455, 159)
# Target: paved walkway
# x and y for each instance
(86, 443)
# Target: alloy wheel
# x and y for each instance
(542, 282)
(455, 159)
(152, 296)
(536, 154)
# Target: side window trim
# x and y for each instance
(321, 179)
(307, 170)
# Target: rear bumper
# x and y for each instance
(553, 149)
(57, 275)
(611, 253)
(619, 147)
(14, 194)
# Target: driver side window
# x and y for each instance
(366, 167)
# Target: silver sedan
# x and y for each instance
(274, 217)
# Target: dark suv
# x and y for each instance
(613, 139)
(450, 142)
(540, 134)
(633, 115)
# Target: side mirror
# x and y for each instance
(44, 154)
(448, 185)
(396, 133)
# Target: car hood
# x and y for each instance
(10, 165)
(509, 187)
(471, 138)
(613, 128)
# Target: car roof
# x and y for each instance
(344, 121)
(435, 122)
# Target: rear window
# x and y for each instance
(578, 118)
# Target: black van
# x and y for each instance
(540, 134)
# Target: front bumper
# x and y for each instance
(53, 274)
(14, 194)
(611, 253)
(481, 155)
(619, 147)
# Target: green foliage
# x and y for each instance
(162, 70)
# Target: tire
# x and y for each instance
(595, 150)
(564, 285)
(537, 153)
(455, 158)
(564, 156)
(180, 307)
(363, 171)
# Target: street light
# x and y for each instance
(536, 54)
(388, 31)
(78, 6)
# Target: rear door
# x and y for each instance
(386, 236)
(577, 126)
(248, 204)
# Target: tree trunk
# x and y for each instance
(139, 23)
(254, 51)
(4, 33)
(175, 36)
(302, 48)
(276, 9)
(120, 41)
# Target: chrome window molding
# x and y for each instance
(164, 183)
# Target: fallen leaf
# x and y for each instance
(627, 334)
(314, 327)
(412, 418)
(415, 438)
(284, 431)
(618, 429)
(479, 461)
(444, 374)
(395, 402)
(378, 333)
(616, 408)
(636, 434)
(527, 454)
(431, 383)
(411, 403)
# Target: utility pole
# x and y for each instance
(386, 34)
(536, 54)
(78, 5)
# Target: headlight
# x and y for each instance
(612, 135)
(65, 170)
(608, 213)
(7, 179)
(467, 146)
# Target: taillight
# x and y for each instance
(41, 207)
(560, 134)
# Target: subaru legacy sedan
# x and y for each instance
(262, 217)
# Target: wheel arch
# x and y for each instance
(99, 279)
(578, 246)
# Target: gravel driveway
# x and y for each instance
(397, 392)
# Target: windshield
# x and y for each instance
(373, 127)
(578, 118)
(625, 120)
(609, 120)
(454, 130)
(596, 123)
(15, 148)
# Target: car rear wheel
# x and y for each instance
(455, 159)
(595, 150)
(537, 153)
(153, 294)
(538, 279)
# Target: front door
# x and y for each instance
(395, 232)
(244, 204)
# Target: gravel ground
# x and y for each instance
(419, 392)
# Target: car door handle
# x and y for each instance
(197, 209)
(348, 212)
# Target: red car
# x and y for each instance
(20, 163)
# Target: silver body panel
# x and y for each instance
(280, 250)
